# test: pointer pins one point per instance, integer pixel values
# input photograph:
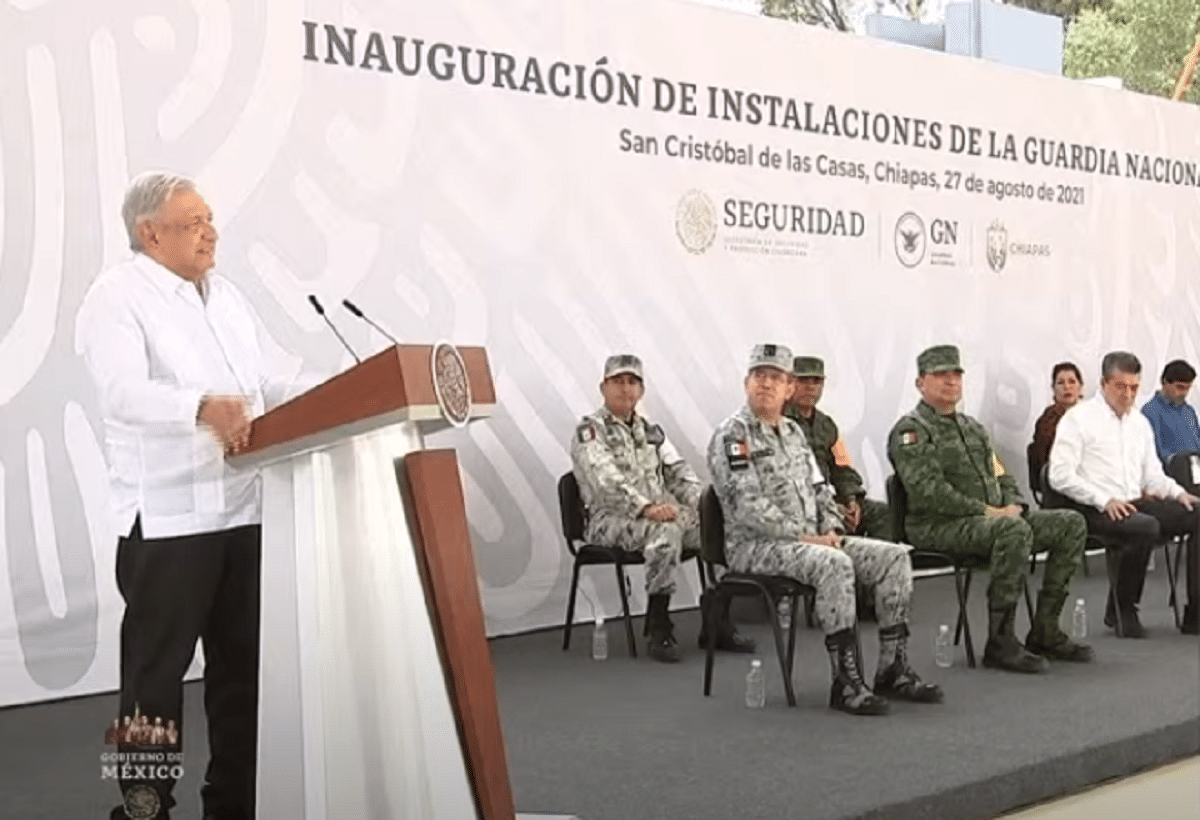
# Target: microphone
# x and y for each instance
(353, 308)
(312, 300)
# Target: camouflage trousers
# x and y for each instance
(877, 568)
(663, 543)
(1006, 543)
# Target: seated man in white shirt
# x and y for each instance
(1104, 460)
(174, 352)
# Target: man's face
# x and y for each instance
(181, 236)
(767, 388)
(941, 390)
(1066, 388)
(621, 394)
(807, 391)
(1120, 391)
(1176, 392)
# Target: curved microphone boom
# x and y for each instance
(312, 300)
(353, 308)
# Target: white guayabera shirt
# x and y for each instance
(154, 348)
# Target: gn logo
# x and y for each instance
(912, 238)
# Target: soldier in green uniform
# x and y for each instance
(862, 515)
(640, 495)
(961, 500)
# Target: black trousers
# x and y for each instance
(177, 591)
(1139, 534)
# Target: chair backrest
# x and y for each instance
(1182, 467)
(1052, 499)
(570, 509)
(897, 506)
(712, 528)
(1036, 484)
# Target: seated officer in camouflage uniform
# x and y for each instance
(961, 501)
(781, 519)
(641, 496)
(862, 515)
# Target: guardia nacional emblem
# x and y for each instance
(695, 221)
(997, 246)
(450, 384)
(910, 240)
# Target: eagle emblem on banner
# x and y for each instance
(695, 221)
(997, 246)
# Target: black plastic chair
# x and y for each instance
(772, 588)
(573, 516)
(1182, 467)
(963, 566)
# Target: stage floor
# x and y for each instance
(628, 738)
(631, 739)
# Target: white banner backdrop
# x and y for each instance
(559, 180)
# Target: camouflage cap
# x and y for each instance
(623, 363)
(938, 359)
(808, 366)
(768, 355)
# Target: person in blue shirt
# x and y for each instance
(1174, 421)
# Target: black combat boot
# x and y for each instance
(728, 640)
(1003, 650)
(661, 644)
(849, 693)
(895, 678)
(1047, 639)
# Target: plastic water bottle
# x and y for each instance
(756, 691)
(599, 641)
(943, 651)
(1079, 620)
(785, 614)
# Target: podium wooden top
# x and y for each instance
(392, 386)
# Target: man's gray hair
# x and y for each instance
(145, 196)
(1119, 360)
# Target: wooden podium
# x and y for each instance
(377, 694)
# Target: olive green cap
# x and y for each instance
(939, 359)
(808, 366)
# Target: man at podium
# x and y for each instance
(173, 350)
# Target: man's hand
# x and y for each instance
(1118, 510)
(228, 418)
(829, 539)
(1011, 511)
(659, 512)
(853, 516)
(1188, 501)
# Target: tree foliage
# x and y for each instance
(1144, 42)
(1066, 9)
(828, 13)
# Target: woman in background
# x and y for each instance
(1067, 383)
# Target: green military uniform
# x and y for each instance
(951, 475)
(822, 434)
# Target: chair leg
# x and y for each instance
(791, 653)
(571, 608)
(962, 583)
(1173, 572)
(700, 572)
(1112, 561)
(810, 610)
(709, 615)
(625, 610)
(1028, 601)
(773, 616)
